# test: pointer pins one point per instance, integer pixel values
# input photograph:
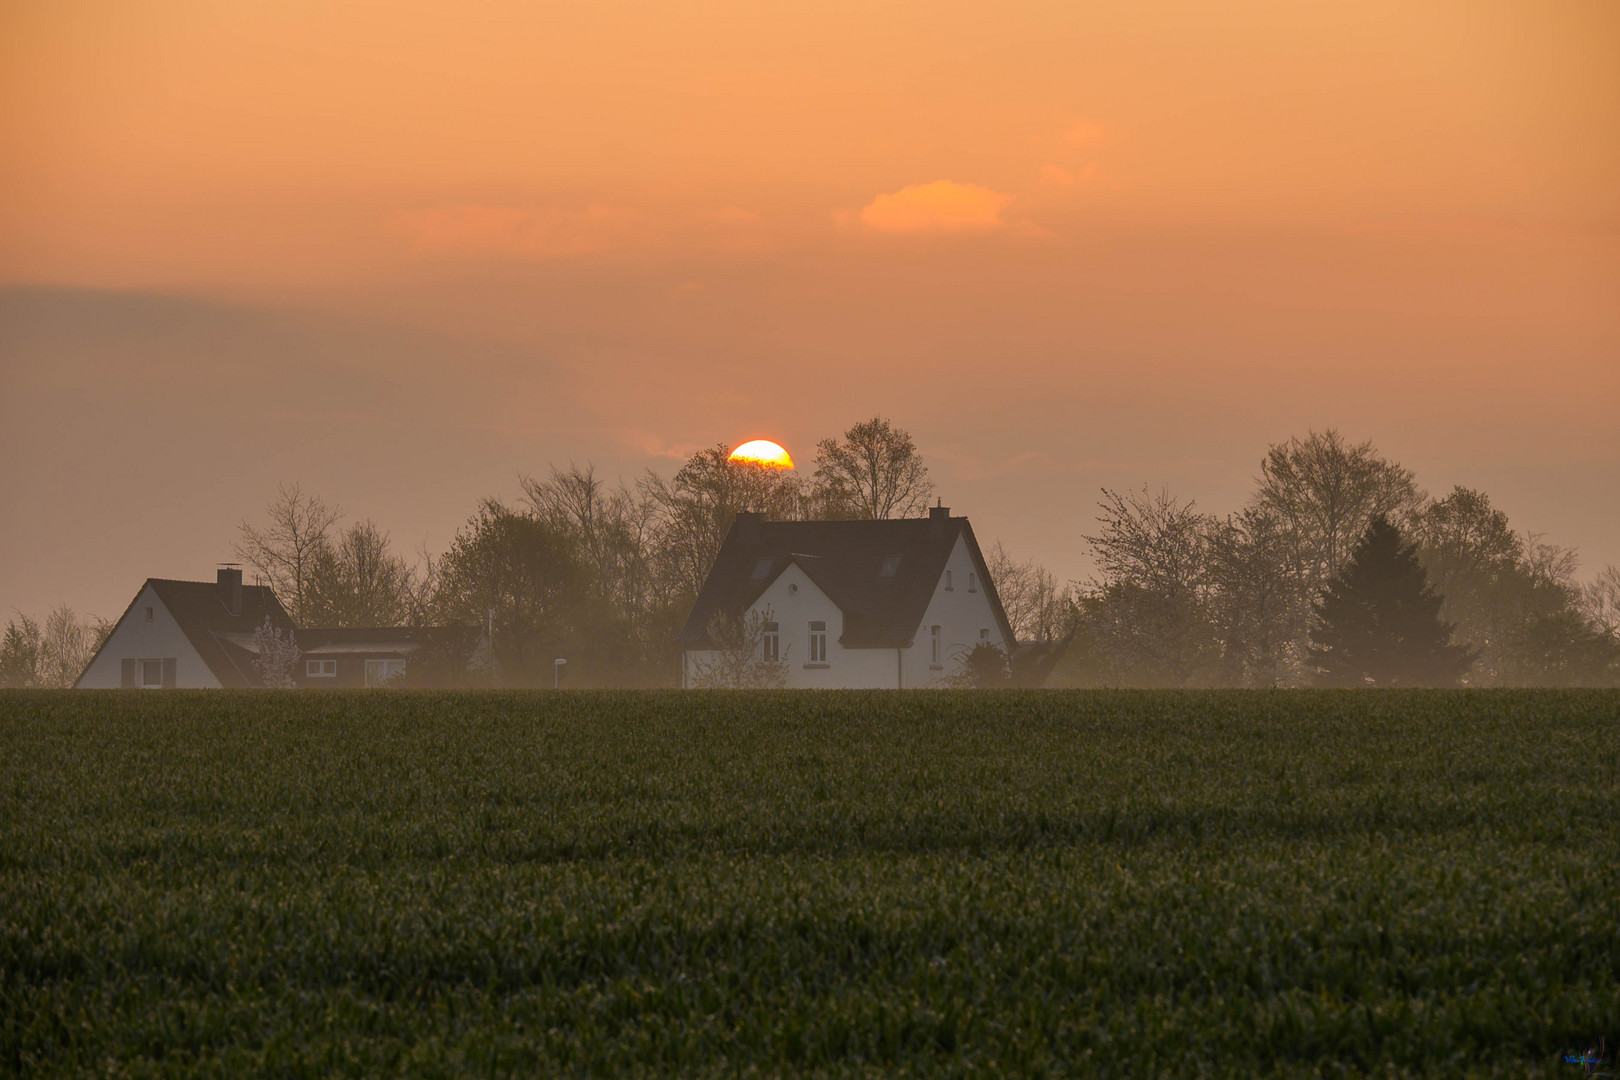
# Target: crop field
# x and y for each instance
(1133, 884)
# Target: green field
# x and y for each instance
(1112, 884)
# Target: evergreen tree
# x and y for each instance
(1378, 622)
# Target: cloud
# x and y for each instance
(943, 205)
(517, 230)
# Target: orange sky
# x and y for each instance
(422, 248)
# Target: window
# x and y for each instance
(762, 569)
(378, 672)
(890, 566)
(770, 644)
(973, 583)
(151, 673)
(948, 582)
(984, 633)
(148, 614)
(933, 646)
(320, 669)
(818, 642)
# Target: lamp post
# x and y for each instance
(556, 673)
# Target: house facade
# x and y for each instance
(851, 604)
(185, 634)
(200, 634)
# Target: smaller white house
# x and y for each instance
(178, 634)
(185, 634)
(853, 604)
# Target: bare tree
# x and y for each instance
(611, 531)
(1494, 582)
(1262, 612)
(1553, 565)
(876, 472)
(1327, 492)
(65, 647)
(1036, 608)
(358, 581)
(1600, 601)
(54, 654)
(288, 551)
(1463, 537)
(741, 658)
(1147, 620)
(277, 656)
(1152, 541)
(696, 510)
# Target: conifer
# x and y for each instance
(1378, 622)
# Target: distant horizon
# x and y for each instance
(97, 572)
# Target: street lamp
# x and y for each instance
(556, 673)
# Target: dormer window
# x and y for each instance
(762, 569)
(889, 567)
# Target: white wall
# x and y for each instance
(136, 639)
(960, 615)
(794, 601)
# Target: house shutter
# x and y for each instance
(168, 672)
(126, 674)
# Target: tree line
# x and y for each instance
(49, 652)
(1183, 599)
(605, 573)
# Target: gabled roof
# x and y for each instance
(205, 620)
(844, 559)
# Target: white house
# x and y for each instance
(185, 633)
(855, 604)
(200, 634)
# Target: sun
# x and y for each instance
(762, 452)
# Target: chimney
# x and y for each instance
(748, 522)
(939, 519)
(230, 587)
